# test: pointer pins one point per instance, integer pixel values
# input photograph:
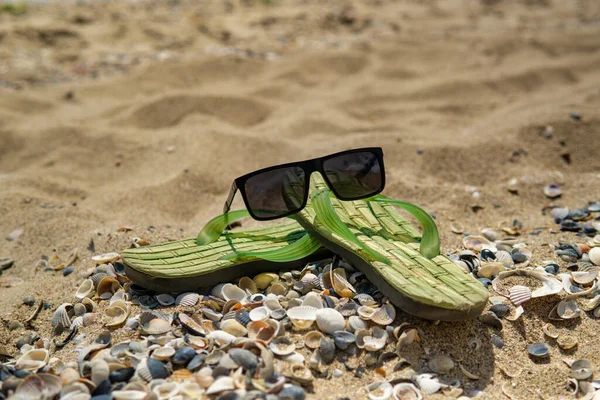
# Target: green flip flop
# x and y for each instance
(216, 256)
(406, 266)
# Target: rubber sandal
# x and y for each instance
(405, 266)
(216, 256)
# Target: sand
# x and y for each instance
(140, 114)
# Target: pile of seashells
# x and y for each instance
(269, 336)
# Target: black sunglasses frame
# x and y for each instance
(308, 166)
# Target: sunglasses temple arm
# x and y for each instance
(229, 200)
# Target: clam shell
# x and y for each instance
(69, 375)
(278, 289)
(247, 284)
(567, 342)
(330, 320)
(129, 395)
(156, 326)
(118, 315)
(550, 331)
(504, 258)
(581, 369)
(79, 309)
(211, 314)
(566, 310)
(260, 314)
(230, 292)
(221, 337)
(233, 327)
(263, 280)
(167, 390)
(163, 353)
(585, 277)
(188, 299)
(374, 389)
(349, 309)
(303, 316)
(100, 371)
(343, 339)
(366, 312)
(385, 315)
(490, 269)
(312, 338)
(108, 285)
(231, 306)
(90, 305)
(221, 384)
(165, 299)
(520, 294)
(594, 254)
(376, 339)
(406, 391)
(340, 283)
(282, 346)
(326, 350)
(191, 326)
(33, 360)
(428, 383)
(105, 258)
(272, 303)
(302, 374)
(356, 323)
(478, 243)
(312, 300)
(62, 316)
(191, 390)
(86, 289)
(538, 350)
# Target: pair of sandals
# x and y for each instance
(370, 234)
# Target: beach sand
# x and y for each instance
(140, 114)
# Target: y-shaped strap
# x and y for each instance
(301, 248)
(430, 241)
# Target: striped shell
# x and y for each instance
(312, 299)
(519, 294)
(504, 258)
(355, 323)
(156, 326)
(247, 284)
(62, 316)
(188, 299)
(303, 316)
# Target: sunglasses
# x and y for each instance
(282, 190)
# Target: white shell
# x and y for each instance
(129, 395)
(272, 303)
(105, 258)
(282, 346)
(478, 243)
(303, 316)
(550, 285)
(371, 340)
(366, 312)
(428, 383)
(234, 328)
(260, 314)
(568, 309)
(222, 384)
(191, 390)
(504, 258)
(163, 353)
(221, 337)
(85, 289)
(156, 326)
(100, 371)
(33, 360)
(441, 364)
(385, 315)
(230, 292)
(520, 294)
(188, 299)
(490, 269)
(384, 386)
(406, 391)
(62, 316)
(79, 309)
(118, 314)
(594, 255)
(166, 390)
(585, 277)
(165, 299)
(312, 339)
(312, 299)
(330, 320)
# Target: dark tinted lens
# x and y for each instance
(276, 192)
(354, 175)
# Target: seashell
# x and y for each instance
(567, 342)
(312, 338)
(221, 337)
(77, 322)
(406, 391)
(326, 351)
(581, 369)
(248, 285)
(408, 337)
(550, 330)
(79, 309)
(303, 316)
(478, 243)
(349, 309)
(366, 312)
(105, 258)
(490, 269)
(467, 373)
(441, 364)
(341, 285)
(355, 323)
(118, 315)
(428, 383)
(515, 314)
(156, 326)
(538, 350)
(310, 279)
(69, 375)
(231, 306)
(365, 299)
(211, 314)
(385, 315)
(260, 314)
(301, 374)
(584, 277)
(183, 355)
(520, 294)
(490, 234)
(263, 280)
(376, 339)
(565, 310)
(221, 384)
(504, 258)
(167, 390)
(278, 289)
(191, 326)
(272, 303)
(278, 314)
(489, 318)
(108, 285)
(233, 327)
(85, 289)
(165, 299)
(62, 316)
(232, 292)
(594, 254)
(100, 371)
(188, 299)
(312, 300)
(150, 369)
(550, 285)
(330, 320)
(244, 358)
(90, 305)
(379, 390)
(282, 346)
(147, 301)
(191, 390)
(163, 353)
(128, 395)
(501, 310)
(343, 339)
(33, 360)
(552, 191)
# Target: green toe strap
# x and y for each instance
(430, 241)
(299, 249)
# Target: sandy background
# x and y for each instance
(140, 114)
